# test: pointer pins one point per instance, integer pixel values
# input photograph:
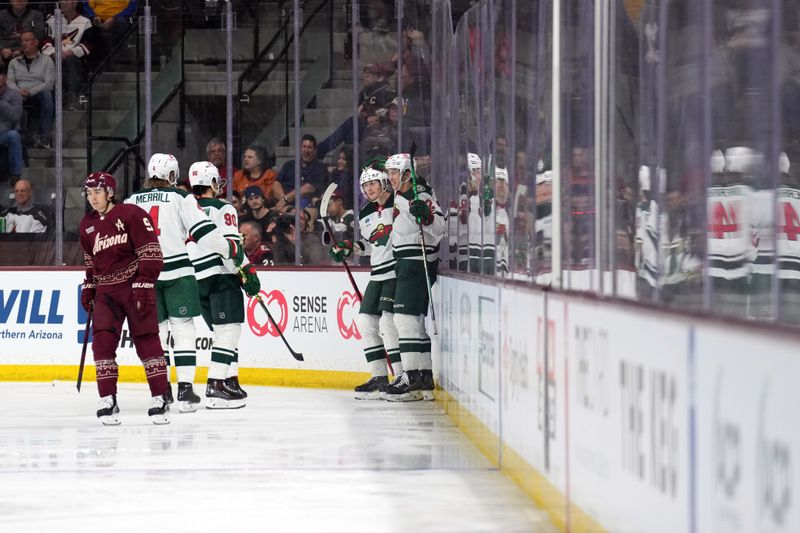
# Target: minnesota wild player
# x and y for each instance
(376, 318)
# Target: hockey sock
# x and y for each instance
(389, 335)
(107, 373)
(373, 345)
(233, 369)
(411, 331)
(163, 336)
(425, 360)
(226, 337)
(155, 370)
(183, 333)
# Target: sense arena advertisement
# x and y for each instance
(42, 322)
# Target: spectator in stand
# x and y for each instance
(342, 219)
(236, 201)
(10, 115)
(113, 18)
(342, 175)
(217, 153)
(256, 172)
(76, 46)
(313, 175)
(15, 20)
(24, 216)
(376, 95)
(283, 241)
(257, 209)
(256, 251)
(34, 76)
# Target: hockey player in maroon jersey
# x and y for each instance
(123, 260)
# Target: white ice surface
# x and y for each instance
(292, 460)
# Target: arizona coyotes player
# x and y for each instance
(123, 260)
(376, 315)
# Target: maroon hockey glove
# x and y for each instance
(144, 295)
(87, 295)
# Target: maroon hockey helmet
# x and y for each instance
(101, 180)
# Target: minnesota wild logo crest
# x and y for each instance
(380, 237)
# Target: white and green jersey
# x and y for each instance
(206, 262)
(178, 218)
(375, 223)
(406, 241)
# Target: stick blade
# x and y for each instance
(326, 198)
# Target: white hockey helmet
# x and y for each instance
(371, 174)
(204, 173)
(401, 162)
(717, 162)
(544, 177)
(783, 163)
(644, 178)
(474, 162)
(742, 160)
(164, 167)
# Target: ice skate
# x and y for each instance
(159, 409)
(218, 396)
(427, 386)
(373, 388)
(188, 401)
(406, 388)
(168, 396)
(107, 410)
(232, 383)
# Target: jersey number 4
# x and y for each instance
(154, 215)
(791, 222)
(723, 221)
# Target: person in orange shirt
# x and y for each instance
(255, 171)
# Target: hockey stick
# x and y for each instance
(323, 213)
(422, 238)
(296, 355)
(85, 345)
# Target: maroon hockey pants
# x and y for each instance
(111, 308)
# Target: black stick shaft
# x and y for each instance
(85, 345)
(296, 355)
(344, 261)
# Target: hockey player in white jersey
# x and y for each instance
(788, 242)
(413, 208)
(219, 283)
(501, 220)
(376, 315)
(481, 217)
(732, 236)
(178, 218)
(647, 227)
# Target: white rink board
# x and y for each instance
(628, 418)
(318, 309)
(522, 404)
(748, 441)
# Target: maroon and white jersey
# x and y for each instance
(72, 36)
(120, 246)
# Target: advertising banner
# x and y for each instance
(42, 322)
(748, 441)
(629, 445)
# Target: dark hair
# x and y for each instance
(309, 137)
(348, 155)
(261, 154)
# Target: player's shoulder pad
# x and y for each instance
(213, 202)
(367, 210)
(178, 191)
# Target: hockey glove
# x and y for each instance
(250, 282)
(235, 252)
(421, 211)
(488, 197)
(144, 295)
(341, 251)
(87, 295)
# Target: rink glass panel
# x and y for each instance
(684, 197)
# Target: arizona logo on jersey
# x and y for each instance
(380, 237)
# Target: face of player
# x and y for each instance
(372, 190)
(394, 178)
(98, 199)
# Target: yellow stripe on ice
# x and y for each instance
(276, 377)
